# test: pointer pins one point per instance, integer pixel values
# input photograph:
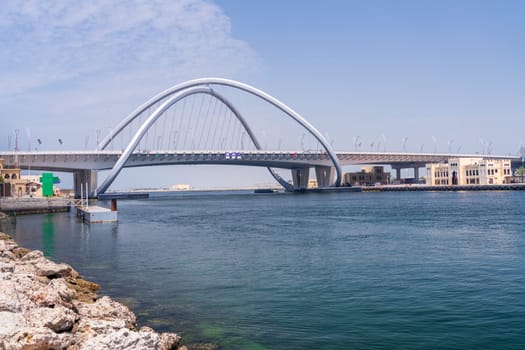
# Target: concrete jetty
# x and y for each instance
(34, 205)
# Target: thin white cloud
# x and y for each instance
(45, 43)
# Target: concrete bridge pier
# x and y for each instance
(300, 178)
(398, 174)
(325, 175)
(416, 174)
(80, 178)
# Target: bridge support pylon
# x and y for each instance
(416, 174)
(398, 174)
(300, 178)
(83, 177)
(325, 175)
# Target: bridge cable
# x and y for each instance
(229, 130)
(209, 120)
(165, 116)
(212, 119)
(216, 127)
(179, 135)
(240, 137)
(196, 119)
(206, 124)
(170, 136)
(188, 126)
(197, 128)
(222, 123)
(155, 135)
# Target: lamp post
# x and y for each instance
(356, 140)
(98, 138)
(405, 139)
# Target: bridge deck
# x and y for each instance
(102, 160)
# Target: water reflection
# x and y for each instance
(48, 235)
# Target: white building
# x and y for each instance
(469, 171)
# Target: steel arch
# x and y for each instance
(241, 86)
(158, 113)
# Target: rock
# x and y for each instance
(57, 319)
(123, 339)
(7, 266)
(46, 306)
(56, 292)
(106, 309)
(146, 329)
(10, 322)
(45, 267)
(9, 300)
(33, 255)
(7, 255)
(168, 341)
(7, 244)
(20, 252)
(37, 338)
(3, 246)
(25, 268)
(86, 290)
(97, 326)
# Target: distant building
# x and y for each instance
(180, 187)
(367, 176)
(469, 171)
(312, 183)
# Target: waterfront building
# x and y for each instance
(12, 184)
(367, 176)
(469, 171)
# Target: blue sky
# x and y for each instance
(445, 75)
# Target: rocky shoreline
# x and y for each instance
(45, 305)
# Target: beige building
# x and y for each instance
(13, 185)
(469, 171)
(17, 185)
(367, 176)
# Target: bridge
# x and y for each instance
(177, 127)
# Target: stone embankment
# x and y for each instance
(45, 305)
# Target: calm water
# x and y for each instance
(322, 271)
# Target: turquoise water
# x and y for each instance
(331, 271)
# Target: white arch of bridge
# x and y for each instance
(196, 86)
